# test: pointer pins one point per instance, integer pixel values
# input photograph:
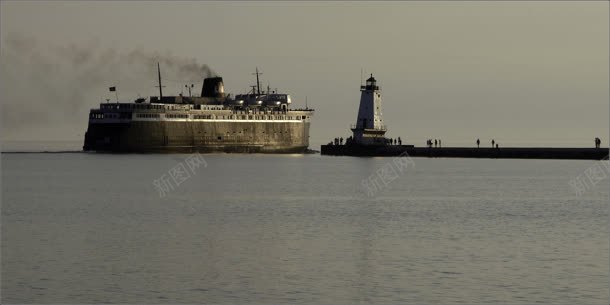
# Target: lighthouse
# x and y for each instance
(369, 128)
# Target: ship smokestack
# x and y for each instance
(213, 87)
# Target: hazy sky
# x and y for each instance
(524, 73)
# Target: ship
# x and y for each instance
(258, 121)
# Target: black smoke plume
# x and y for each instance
(45, 87)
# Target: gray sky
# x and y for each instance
(524, 73)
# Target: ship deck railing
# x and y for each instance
(127, 107)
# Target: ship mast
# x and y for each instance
(160, 87)
(258, 84)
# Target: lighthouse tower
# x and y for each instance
(369, 128)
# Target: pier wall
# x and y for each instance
(467, 152)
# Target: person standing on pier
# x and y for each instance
(478, 143)
(439, 143)
(435, 143)
(399, 141)
(341, 141)
(493, 142)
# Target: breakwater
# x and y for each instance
(467, 152)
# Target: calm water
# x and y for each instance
(91, 228)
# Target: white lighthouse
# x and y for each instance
(369, 128)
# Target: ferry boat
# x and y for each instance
(255, 122)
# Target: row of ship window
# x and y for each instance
(175, 116)
(148, 115)
(196, 116)
(110, 115)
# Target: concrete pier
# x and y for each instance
(467, 152)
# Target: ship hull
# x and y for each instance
(194, 136)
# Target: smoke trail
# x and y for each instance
(45, 86)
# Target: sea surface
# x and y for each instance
(222, 228)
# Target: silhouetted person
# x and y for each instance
(435, 142)
(497, 145)
(399, 141)
(341, 141)
(493, 142)
(478, 143)
(439, 143)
